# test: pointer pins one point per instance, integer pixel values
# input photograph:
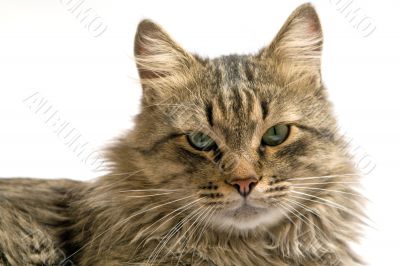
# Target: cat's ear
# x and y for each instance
(299, 41)
(161, 62)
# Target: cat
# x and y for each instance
(235, 160)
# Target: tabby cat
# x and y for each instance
(232, 161)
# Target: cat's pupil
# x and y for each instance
(275, 135)
(201, 141)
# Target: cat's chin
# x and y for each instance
(246, 217)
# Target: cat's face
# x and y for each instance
(240, 133)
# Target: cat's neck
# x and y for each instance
(129, 217)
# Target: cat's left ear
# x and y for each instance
(299, 42)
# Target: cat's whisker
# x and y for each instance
(196, 224)
(334, 205)
(285, 207)
(213, 210)
(204, 218)
(290, 208)
(349, 212)
(203, 212)
(144, 211)
(199, 215)
(306, 221)
(311, 223)
(120, 180)
(179, 210)
(323, 177)
(153, 256)
(323, 203)
(166, 236)
(322, 183)
(284, 213)
(361, 218)
(204, 228)
(153, 195)
(332, 190)
(122, 222)
(304, 206)
(151, 190)
(322, 199)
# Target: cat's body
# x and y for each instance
(38, 226)
(34, 216)
(177, 197)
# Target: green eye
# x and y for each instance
(276, 135)
(201, 141)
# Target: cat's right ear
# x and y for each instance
(161, 62)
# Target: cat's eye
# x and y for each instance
(276, 135)
(201, 141)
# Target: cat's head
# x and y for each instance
(238, 135)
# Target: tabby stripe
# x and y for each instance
(155, 147)
(209, 114)
(322, 133)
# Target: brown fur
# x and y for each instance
(166, 203)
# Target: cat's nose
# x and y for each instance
(244, 186)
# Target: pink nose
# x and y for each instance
(244, 186)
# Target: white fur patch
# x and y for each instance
(247, 217)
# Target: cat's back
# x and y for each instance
(33, 215)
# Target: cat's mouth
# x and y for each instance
(246, 216)
(247, 209)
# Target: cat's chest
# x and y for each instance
(228, 252)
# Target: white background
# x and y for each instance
(91, 82)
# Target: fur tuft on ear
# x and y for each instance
(162, 63)
(299, 42)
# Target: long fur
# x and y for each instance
(166, 203)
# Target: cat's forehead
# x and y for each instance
(232, 70)
(231, 103)
(232, 90)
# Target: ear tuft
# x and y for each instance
(157, 55)
(299, 41)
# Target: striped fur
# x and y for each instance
(166, 203)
